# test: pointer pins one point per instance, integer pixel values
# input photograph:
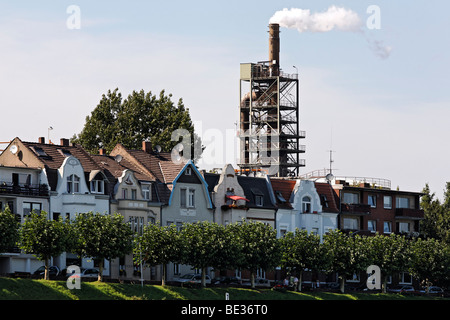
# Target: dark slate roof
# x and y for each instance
(254, 186)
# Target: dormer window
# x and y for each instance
(73, 184)
(259, 200)
(97, 186)
(306, 204)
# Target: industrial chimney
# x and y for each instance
(274, 48)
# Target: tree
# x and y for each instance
(430, 261)
(102, 237)
(140, 117)
(9, 230)
(260, 247)
(44, 238)
(301, 250)
(158, 245)
(347, 254)
(436, 222)
(207, 244)
(391, 253)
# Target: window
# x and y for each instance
(402, 202)
(146, 194)
(324, 201)
(405, 278)
(188, 171)
(351, 223)
(403, 227)
(124, 193)
(372, 201)
(306, 204)
(28, 207)
(387, 202)
(191, 198)
(372, 225)
(259, 200)
(351, 198)
(387, 227)
(187, 198)
(97, 186)
(183, 198)
(133, 194)
(73, 184)
(137, 224)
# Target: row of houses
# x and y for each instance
(147, 186)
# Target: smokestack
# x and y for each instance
(41, 140)
(274, 48)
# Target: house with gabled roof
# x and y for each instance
(76, 184)
(305, 205)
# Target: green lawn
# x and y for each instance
(27, 289)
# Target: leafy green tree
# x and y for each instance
(260, 247)
(436, 222)
(430, 261)
(391, 253)
(301, 250)
(158, 245)
(44, 238)
(348, 255)
(9, 230)
(102, 237)
(139, 117)
(207, 244)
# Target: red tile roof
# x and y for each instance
(326, 189)
(285, 187)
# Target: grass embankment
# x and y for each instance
(27, 289)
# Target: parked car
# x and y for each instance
(192, 278)
(259, 282)
(226, 280)
(403, 289)
(433, 290)
(85, 273)
(52, 270)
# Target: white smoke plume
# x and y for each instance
(335, 18)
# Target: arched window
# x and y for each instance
(73, 184)
(306, 204)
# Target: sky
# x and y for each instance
(377, 94)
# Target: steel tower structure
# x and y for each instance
(269, 116)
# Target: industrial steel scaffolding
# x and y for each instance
(269, 116)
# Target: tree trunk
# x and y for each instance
(100, 270)
(204, 277)
(46, 273)
(164, 270)
(299, 285)
(384, 284)
(252, 280)
(342, 284)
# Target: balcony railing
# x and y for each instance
(406, 212)
(21, 189)
(355, 208)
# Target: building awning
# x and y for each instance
(235, 198)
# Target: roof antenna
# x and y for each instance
(331, 151)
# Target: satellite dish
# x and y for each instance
(13, 149)
(118, 158)
(329, 177)
(158, 148)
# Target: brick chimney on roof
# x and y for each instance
(41, 140)
(102, 151)
(64, 142)
(147, 146)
